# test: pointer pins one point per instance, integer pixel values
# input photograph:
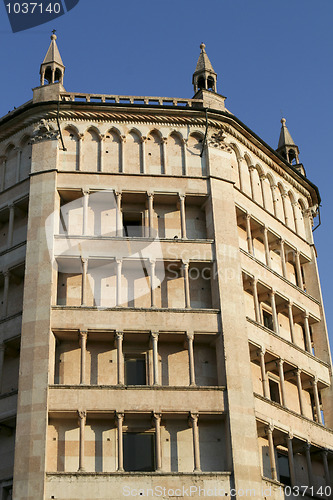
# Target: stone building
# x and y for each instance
(162, 323)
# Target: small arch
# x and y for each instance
(211, 83)
(201, 83)
(280, 205)
(235, 165)
(256, 184)
(154, 153)
(133, 148)
(112, 151)
(69, 159)
(269, 191)
(292, 157)
(175, 154)
(196, 164)
(25, 158)
(91, 150)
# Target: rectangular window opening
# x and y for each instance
(132, 223)
(135, 370)
(139, 451)
(268, 320)
(283, 468)
(274, 389)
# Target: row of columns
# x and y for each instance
(275, 192)
(152, 279)
(307, 449)
(156, 417)
(143, 141)
(294, 373)
(281, 243)
(119, 338)
(272, 294)
(3, 165)
(119, 219)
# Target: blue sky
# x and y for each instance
(272, 57)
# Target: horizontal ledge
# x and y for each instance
(137, 473)
(140, 387)
(136, 309)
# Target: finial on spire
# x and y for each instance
(202, 46)
(283, 121)
(53, 36)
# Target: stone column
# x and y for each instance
(119, 217)
(85, 213)
(291, 321)
(263, 373)
(3, 172)
(281, 375)
(316, 398)
(82, 424)
(154, 337)
(256, 300)
(182, 215)
(299, 388)
(120, 419)
(143, 153)
(83, 345)
(251, 170)
(122, 153)
(196, 450)
(10, 225)
(274, 313)
(324, 455)
(262, 185)
(240, 172)
(286, 218)
(18, 164)
(266, 243)
(2, 356)
(6, 275)
(295, 206)
(101, 152)
(164, 155)
(120, 358)
(291, 460)
(157, 423)
(190, 340)
(150, 214)
(269, 432)
(307, 332)
(84, 282)
(184, 142)
(119, 263)
(299, 270)
(309, 463)
(275, 199)
(185, 266)
(81, 138)
(283, 258)
(249, 234)
(152, 264)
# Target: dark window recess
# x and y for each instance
(132, 223)
(283, 468)
(274, 391)
(139, 452)
(135, 370)
(268, 320)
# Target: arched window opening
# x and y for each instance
(211, 83)
(292, 157)
(201, 83)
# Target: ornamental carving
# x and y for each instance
(217, 140)
(44, 131)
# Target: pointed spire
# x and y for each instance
(52, 69)
(204, 76)
(286, 147)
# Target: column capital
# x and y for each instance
(157, 416)
(314, 381)
(119, 261)
(190, 336)
(280, 361)
(247, 216)
(81, 137)
(185, 264)
(251, 168)
(164, 140)
(123, 138)
(154, 335)
(272, 292)
(269, 429)
(11, 205)
(82, 414)
(83, 333)
(143, 139)
(152, 262)
(150, 194)
(324, 452)
(262, 177)
(262, 350)
(182, 196)
(119, 335)
(290, 435)
(306, 315)
(84, 260)
(118, 194)
(6, 273)
(85, 192)
(119, 415)
(290, 303)
(193, 418)
(307, 446)
(298, 371)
